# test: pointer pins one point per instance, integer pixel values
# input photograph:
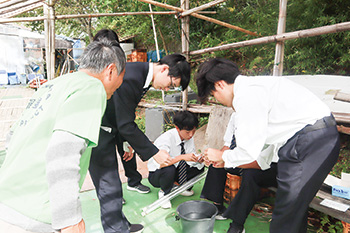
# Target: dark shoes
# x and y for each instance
(139, 188)
(234, 228)
(136, 228)
(221, 210)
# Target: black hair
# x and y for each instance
(212, 71)
(106, 34)
(185, 120)
(178, 67)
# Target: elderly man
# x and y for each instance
(49, 151)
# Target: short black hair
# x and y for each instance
(185, 120)
(178, 67)
(212, 71)
(106, 34)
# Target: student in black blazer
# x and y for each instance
(118, 125)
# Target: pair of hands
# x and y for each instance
(213, 157)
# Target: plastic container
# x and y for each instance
(197, 216)
(13, 79)
(3, 77)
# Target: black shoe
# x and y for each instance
(234, 228)
(135, 228)
(123, 201)
(139, 188)
(221, 209)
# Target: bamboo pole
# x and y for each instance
(49, 24)
(199, 16)
(281, 28)
(41, 18)
(340, 27)
(18, 6)
(156, 41)
(185, 37)
(52, 37)
(22, 10)
(202, 7)
(8, 3)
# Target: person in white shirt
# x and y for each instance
(172, 141)
(283, 116)
(252, 182)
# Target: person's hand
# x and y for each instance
(189, 157)
(213, 155)
(225, 148)
(219, 164)
(77, 228)
(163, 158)
(128, 155)
(200, 158)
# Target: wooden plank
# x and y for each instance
(342, 97)
(194, 108)
(343, 216)
(342, 117)
(324, 193)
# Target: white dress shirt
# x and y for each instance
(269, 111)
(149, 75)
(170, 141)
(266, 157)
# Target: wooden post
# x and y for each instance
(50, 38)
(185, 39)
(281, 28)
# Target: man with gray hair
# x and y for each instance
(49, 151)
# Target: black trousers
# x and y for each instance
(248, 194)
(130, 168)
(105, 176)
(304, 162)
(165, 177)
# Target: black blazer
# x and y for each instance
(120, 111)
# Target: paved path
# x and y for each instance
(13, 100)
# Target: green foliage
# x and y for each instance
(329, 224)
(140, 120)
(203, 120)
(343, 162)
(327, 54)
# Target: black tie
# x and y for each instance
(234, 171)
(233, 142)
(145, 90)
(182, 167)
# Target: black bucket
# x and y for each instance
(197, 216)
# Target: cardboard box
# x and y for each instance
(340, 187)
(341, 191)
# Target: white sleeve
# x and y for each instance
(62, 171)
(251, 117)
(230, 131)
